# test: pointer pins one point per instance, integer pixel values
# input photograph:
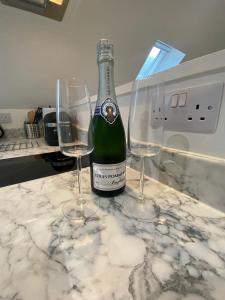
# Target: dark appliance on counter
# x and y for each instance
(50, 129)
(1, 132)
(67, 130)
(59, 161)
(20, 169)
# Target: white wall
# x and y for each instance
(34, 50)
(18, 116)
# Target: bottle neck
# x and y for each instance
(106, 88)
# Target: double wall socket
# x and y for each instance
(5, 118)
(193, 109)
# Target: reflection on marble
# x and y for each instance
(42, 148)
(180, 256)
(197, 176)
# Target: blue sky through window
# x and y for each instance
(161, 57)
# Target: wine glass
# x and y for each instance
(73, 111)
(145, 134)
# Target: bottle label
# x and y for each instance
(109, 177)
(108, 110)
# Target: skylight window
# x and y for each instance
(154, 52)
(161, 57)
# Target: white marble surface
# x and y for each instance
(181, 256)
(42, 148)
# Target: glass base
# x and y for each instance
(144, 210)
(78, 211)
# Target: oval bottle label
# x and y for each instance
(109, 177)
(108, 110)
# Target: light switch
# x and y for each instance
(174, 100)
(198, 108)
(182, 99)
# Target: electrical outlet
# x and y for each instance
(5, 118)
(193, 109)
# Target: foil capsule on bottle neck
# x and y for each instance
(104, 51)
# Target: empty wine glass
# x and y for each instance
(73, 119)
(145, 133)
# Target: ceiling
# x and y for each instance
(35, 50)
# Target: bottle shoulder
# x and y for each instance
(103, 98)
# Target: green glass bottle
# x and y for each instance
(108, 159)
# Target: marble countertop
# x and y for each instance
(39, 148)
(180, 256)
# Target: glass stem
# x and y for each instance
(142, 174)
(80, 201)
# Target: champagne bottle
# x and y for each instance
(108, 159)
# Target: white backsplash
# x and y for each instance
(18, 117)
